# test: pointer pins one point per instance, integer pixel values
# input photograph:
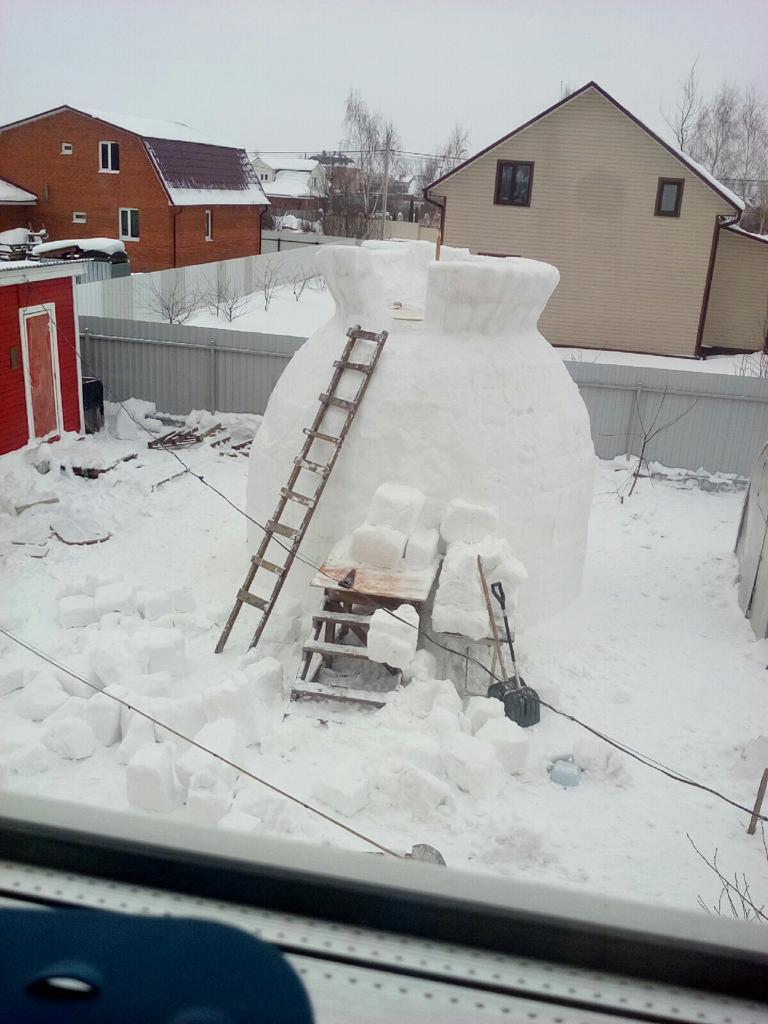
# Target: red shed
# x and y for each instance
(40, 380)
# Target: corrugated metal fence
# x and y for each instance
(700, 420)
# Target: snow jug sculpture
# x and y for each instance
(468, 401)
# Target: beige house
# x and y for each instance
(646, 242)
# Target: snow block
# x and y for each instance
(423, 665)
(209, 799)
(40, 697)
(392, 641)
(421, 750)
(77, 611)
(415, 793)
(183, 600)
(137, 733)
(470, 523)
(111, 660)
(185, 715)
(472, 765)
(345, 794)
(378, 546)
(102, 714)
(11, 673)
(265, 676)
(480, 710)
(421, 549)
(507, 738)
(153, 604)
(78, 663)
(165, 649)
(565, 774)
(220, 737)
(238, 821)
(149, 781)
(115, 597)
(396, 506)
(70, 738)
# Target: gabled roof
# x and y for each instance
(194, 170)
(290, 184)
(278, 162)
(12, 195)
(723, 191)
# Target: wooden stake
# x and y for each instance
(491, 619)
(758, 803)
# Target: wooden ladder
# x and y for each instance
(328, 399)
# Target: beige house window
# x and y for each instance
(514, 179)
(669, 197)
(208, 226)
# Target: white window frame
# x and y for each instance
(108, 170)
(128, 237)
(78, 217)
(208, 226)
(67, 149)
(25, 312)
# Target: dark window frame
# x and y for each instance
(109, 158)
(680, 182)
(497, 200)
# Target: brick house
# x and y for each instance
(17, 206)
(172, 196)
(293, 185)
(647, 242)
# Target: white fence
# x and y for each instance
(137, 297)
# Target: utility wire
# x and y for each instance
(195, 743)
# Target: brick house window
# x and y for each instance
(669, 197)
(514, 179)
(78, 218)
(208, 226)
(129, 224)
(66, 149)
(109, 157)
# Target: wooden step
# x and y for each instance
(368, 699)
(340, 403)
(257, 602)
(354, 332)
(343, 618)
(312, 467)
(301, 499)
(284, 531)
(322, 437)
(269, 566)
(335, 650)
(360, 367)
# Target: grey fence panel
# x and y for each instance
(700, 420)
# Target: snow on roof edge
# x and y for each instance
(10, 194)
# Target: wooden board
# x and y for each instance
(408, 586)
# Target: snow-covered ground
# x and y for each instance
(302, 318)
(655, 652)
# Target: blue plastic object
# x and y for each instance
(63, 966)
(565, 773)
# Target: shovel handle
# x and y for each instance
(498, 592)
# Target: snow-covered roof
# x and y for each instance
(105, 245)
(698, 170)
(10, 194)
(250, 196)
(278, 162)
(150, 128)
(294, 184)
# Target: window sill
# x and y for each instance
(105, 170)
(124, 239)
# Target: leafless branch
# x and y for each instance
(173, 303)
(736, 893)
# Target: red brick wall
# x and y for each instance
(30, 156)
(236, 232)
(14, 432)
(18, 217)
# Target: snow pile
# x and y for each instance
(133, 420)
(392, 639)
(471, 403)
(108, 246)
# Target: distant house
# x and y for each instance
(174, 197)
(292, 184)
(647, 242)
(17, 206)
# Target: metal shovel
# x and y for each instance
(521, 703)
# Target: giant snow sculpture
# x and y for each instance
(471, 402)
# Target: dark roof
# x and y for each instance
(700, 172)
(192, 165)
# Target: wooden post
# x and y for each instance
(491, 619)
(758, 803)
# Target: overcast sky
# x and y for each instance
(275, 75)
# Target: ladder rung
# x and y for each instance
(269, 566)
(329, 650)
(302, 499)
(284, 531)
(322, 437)
(355, 332)
(257, 602)
(361, 367)
(342, 618)
(342, 403)
(312, 467)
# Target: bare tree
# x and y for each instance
(650, 432)
(735, 897)
(173, 303)
(299, 279)
(565, 89)
(268, 278)
(224, 298)
(684, 119)
(446, 157)
(373, 142)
